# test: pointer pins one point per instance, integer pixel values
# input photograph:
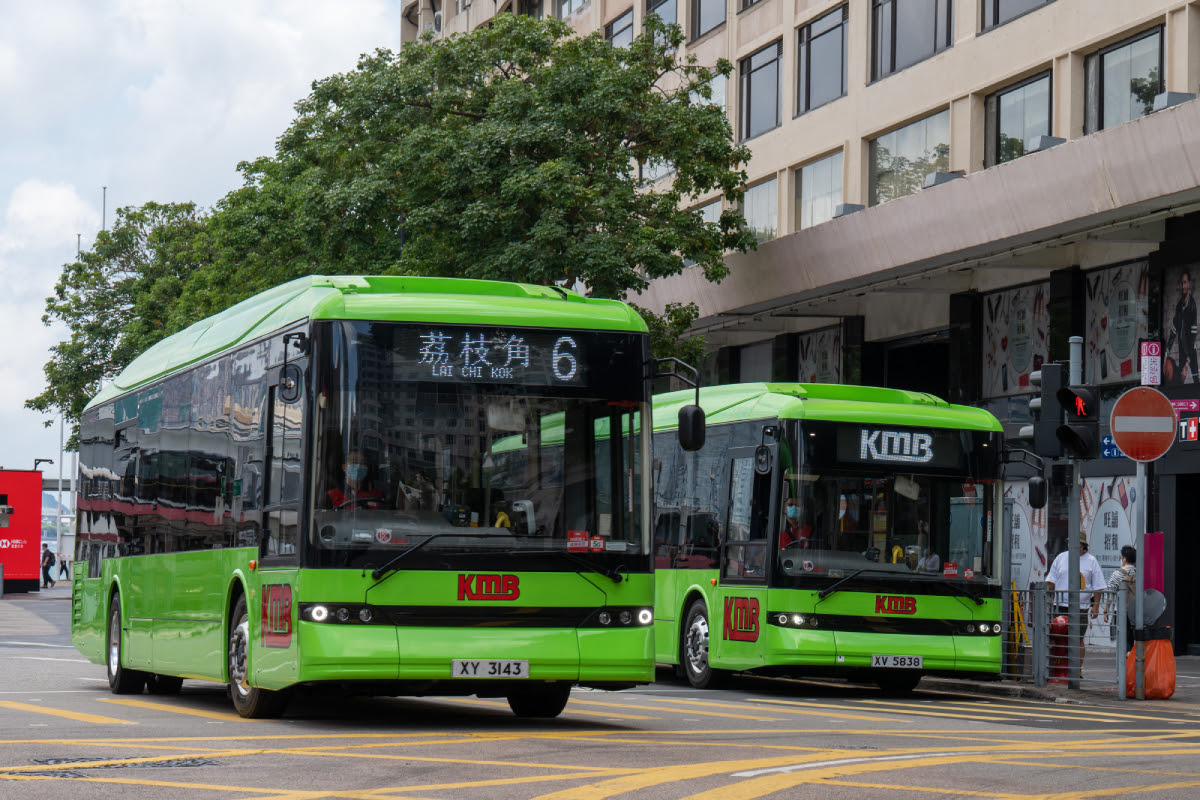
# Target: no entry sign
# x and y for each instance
(1143, 423)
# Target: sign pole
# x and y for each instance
(1139, 682)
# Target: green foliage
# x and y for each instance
(117, 299)
(508, 153)
(669, 332)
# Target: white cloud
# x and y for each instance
(153, 99)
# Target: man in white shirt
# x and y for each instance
(1091, 583)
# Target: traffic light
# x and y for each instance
(1042, 434)
(1080, 433)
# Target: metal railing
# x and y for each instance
(1042, 643)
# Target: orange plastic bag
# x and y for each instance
(1159, 677)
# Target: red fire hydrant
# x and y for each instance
(1058, 649)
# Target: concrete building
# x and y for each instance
(944, 192)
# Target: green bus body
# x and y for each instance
(857, 592)
(217, 482)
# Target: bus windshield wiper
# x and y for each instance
(833, 587)
(615, 574)
(390, 565)
(965, 592)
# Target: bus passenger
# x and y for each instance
(357, 491)
(929, 561)
(795, 533)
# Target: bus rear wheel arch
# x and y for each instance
(694, 649)
(249, 701)
(120, 679)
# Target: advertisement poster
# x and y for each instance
(1179, 325)
(1015, 323)
(1028, 551)
(1106, 514)
(821, 356)
(1117, 314)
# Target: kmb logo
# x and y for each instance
(277, 615)
(741, 619)
(895, 604)
(488, 587)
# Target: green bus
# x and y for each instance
(827, 530)
(301, 491)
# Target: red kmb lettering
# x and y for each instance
(741, 619)
(488, 587)
(895, 604)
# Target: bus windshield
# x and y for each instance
(836, 518)
(416, 448)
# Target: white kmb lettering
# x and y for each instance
(895, 446)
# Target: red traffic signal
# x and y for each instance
(1080, 435)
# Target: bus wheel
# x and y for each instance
(899, 683)
(163, 684)
(694, 650)
(250, 702)
(120, 680)
(542, 703)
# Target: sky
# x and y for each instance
(157, 100)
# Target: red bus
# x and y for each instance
(21, 529)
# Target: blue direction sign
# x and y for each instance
(1109, 449)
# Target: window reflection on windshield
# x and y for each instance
(400, 461)
(909, 524)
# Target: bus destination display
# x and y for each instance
(491, 355)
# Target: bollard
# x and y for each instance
(1058, 650)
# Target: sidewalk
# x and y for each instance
(1098, 685)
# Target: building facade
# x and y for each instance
(944, 192)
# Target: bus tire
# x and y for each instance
(120, 679)
(540, 703)
(693, 650)
(249, 701)
(898, 684)
(163, 684)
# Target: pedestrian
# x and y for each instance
(64, 567)
(1124, 579)
(1091, 582)
(47, 563)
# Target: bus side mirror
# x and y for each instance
(691, 428)
(1037, 492)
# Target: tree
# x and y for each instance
(117, 299)
(508, 153)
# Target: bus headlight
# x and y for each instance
(365, 615)
(605, 618)
(343, 614)
(645, 616)
(318, 613)
(625, 617)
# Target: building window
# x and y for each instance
(710, 213)
(900, 160)
(818, 191)
(760, 91)
(1015, 115)
(760, 207)
(822, 70)
(667, 10)
(530, 8)
(998, 12)
(619, 32)
(567, 8)
(656, 169)
(907, 31)
(1123, 80)
(706, 15)
(717, 87)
